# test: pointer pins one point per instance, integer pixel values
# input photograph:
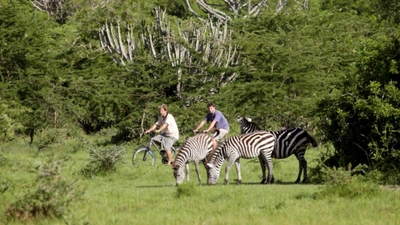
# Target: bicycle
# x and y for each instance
(145, 155)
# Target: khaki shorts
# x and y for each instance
(165, 141)
(219, 134)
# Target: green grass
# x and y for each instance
(149, 196)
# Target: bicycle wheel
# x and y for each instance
(143, 157)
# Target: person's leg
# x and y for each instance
(158, 139)
(167, 145)
(218, 138)
(169, 157)
(215, 143)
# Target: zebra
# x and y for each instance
(288, 141)
(257, 144)
(246, 126)
(194, 149)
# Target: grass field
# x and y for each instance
(149, 196)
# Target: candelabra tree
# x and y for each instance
(191, 47)
(235, 8)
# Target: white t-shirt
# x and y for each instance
(172, 128)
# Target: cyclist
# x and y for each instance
(219, 124)
(169, 131)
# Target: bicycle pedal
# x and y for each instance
(163, 153)
(164, 156)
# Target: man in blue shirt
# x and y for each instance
(219, 125)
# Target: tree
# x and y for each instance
(289, 61)
(235, 9)
(189, 47)
(363, 114)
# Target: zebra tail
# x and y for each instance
(312, 140)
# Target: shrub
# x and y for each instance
(4, 186)
(51, 197)
(103, 160)
(10, 119)
(50, 137)
(3, 160)
(343, 183)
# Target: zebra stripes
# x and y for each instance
(246, 126)
(289, 141)
(194, 149)
(257, 144)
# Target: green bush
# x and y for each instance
(3, 160)
(4, 186)
(51, 198)
(361, 117)
(50, 137)
(343, 183)
(103, 160)
(10, 119)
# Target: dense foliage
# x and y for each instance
(334, 66)
(363, 117)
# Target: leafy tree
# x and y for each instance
(289, 61)
(388, 10)
(363, 115)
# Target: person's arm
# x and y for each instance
(162, 128)
(212, 124)
(199, 126)
(151, 128)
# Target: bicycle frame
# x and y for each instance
(148, 149)
(157, 147)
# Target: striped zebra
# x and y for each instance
(194, 149)
(257, 144)
(288, 141)
(246, 126)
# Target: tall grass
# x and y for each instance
(131, 195)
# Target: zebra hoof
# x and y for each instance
(239, 182)
(263, 181)
(225, 182)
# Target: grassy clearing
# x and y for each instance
(148, 195)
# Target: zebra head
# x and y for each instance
(242, 119)
(179, 174)
(212, 174)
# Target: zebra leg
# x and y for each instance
(231, 160)
(237, 165)
(299, 175)
(263, 168)
(196, 164)
(268, 160)
(187, 171)
(205, 166)
(304, 164)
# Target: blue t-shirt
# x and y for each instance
(221, 123)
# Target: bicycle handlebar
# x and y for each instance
(151, 133)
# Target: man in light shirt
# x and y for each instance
(168, 129)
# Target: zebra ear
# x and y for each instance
(248, 119)
(209, 165)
